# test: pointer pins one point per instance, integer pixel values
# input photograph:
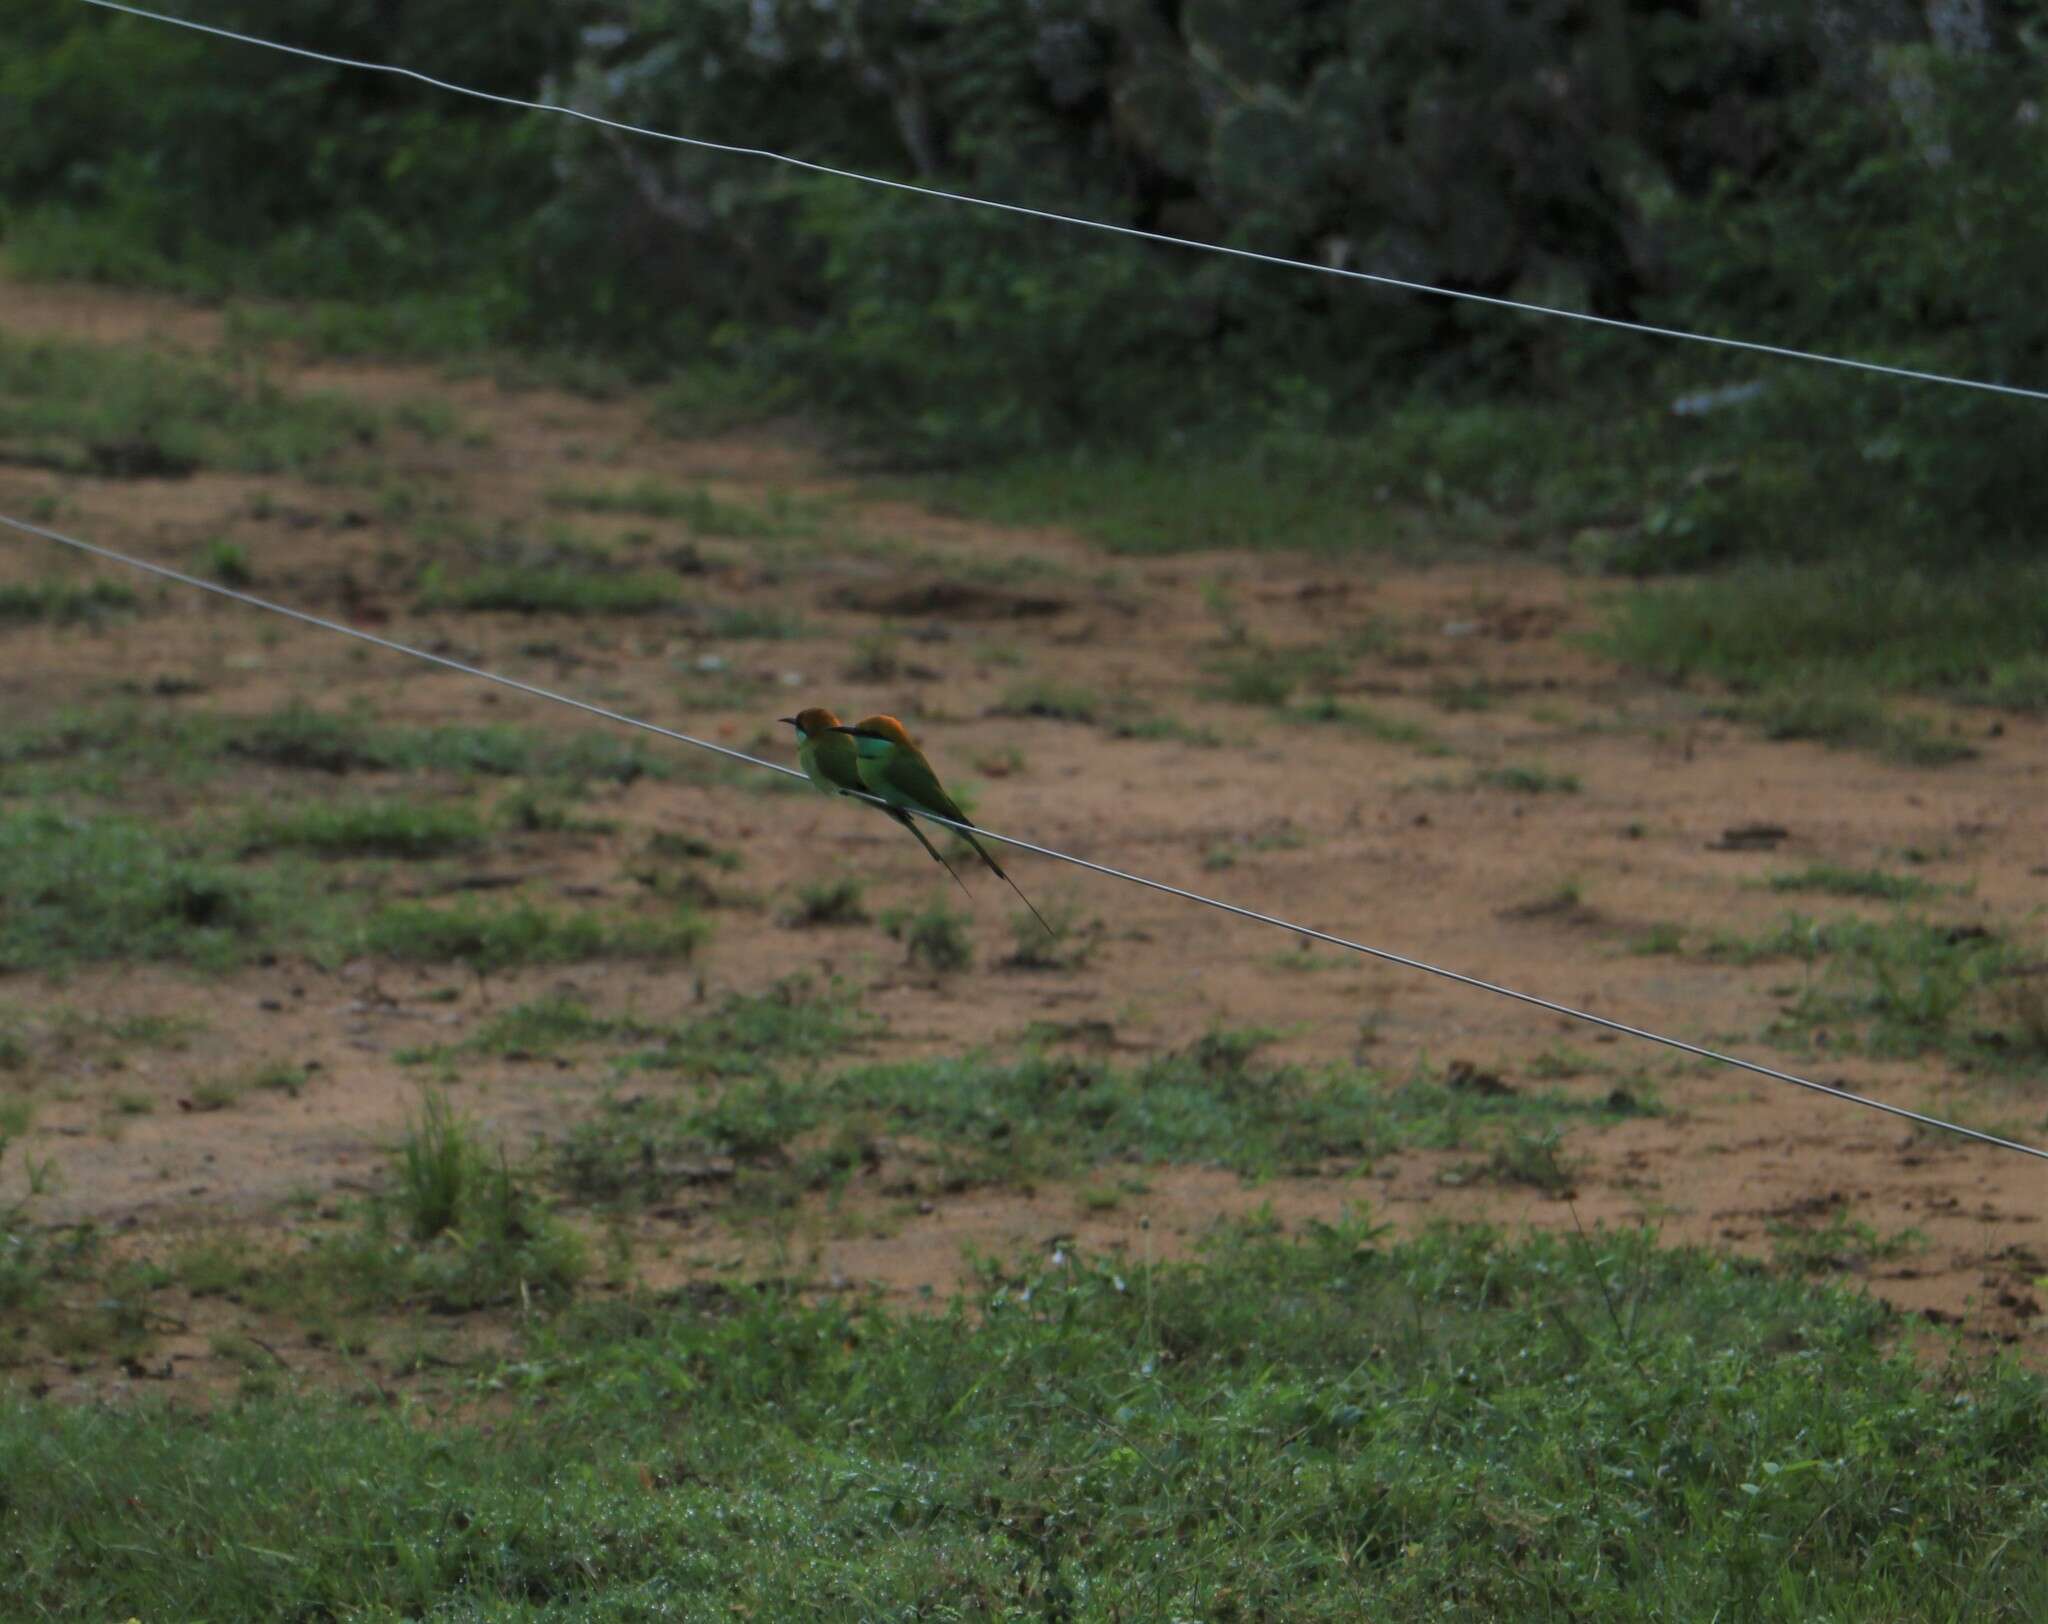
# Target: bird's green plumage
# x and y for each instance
(829, 760)
(902, 777)
(892, 767)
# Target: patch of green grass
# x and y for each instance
(744, 1035)
(107, 753)
(785, 517)
(641, 1146)
(1832, 880)
(1971, 632)
(1371, 723)
(670, 843)
(536, 813)
(1271, 676)
(456, 1230)
(1325, 1425)
(710, 398)
(303, 738)
(1901, 987)
(415, 326)
(491, 937)
(751, 1034)
(1168, 729)
(741, 622)
(1420, 474)
(1532, 1159)
(1052, 701)
(287, 1077)
(1663, 937)
(364, 829)
(1462, 696)
(1849, 718)
(87, 408)
(436, 1163)
(1067, 946)
(934, 937)
(216, 1094)
(227, 562)
(1841, 1246)
(61, 602)
(215, 1266)
(1213, 1103)
(545, 1027)
(552, 591)
(74, 890)
(1527, 780)
(835, 901)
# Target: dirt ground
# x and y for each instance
(1327, 825)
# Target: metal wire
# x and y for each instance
(165, 572)
(1780, 351)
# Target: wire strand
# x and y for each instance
(165, 572)
(1648, 329)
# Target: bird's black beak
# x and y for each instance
(791, 720)
(858, 733)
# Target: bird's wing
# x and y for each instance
(911, 776)
(838, 760)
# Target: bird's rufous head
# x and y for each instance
(881, 727)
(810, 723)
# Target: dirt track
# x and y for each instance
(1381, 840)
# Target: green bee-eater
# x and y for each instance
(831, 761)
(892, 767)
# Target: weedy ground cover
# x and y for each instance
(1325, 1426)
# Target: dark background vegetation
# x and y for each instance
(1863, 179)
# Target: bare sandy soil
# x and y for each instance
(1324, 824)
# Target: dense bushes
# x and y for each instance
(1848, 178)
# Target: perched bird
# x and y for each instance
(831, 760)
(892, 767)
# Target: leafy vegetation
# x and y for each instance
(1831, 879)
(835, 901)
(74, 890)
(554, 592)
(1904, 986)
(998, 1122)
(141, 413)
(934, 936)
(1811, 645)
(64, 603)
(364, 829)
(490, 937)
(1293, 410)
(1527, 780)
(1325, 1426)
(696, 507)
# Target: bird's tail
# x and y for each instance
(910, 823)
(997, 868)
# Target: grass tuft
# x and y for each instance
(785, 517)
(544, 591)
(935, 937)
(135, 413)
(64, 602)
(1522, 780)
(828, 902)
(1832, 880)
(364, 829)
(1324, 1423)
(490, 938)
